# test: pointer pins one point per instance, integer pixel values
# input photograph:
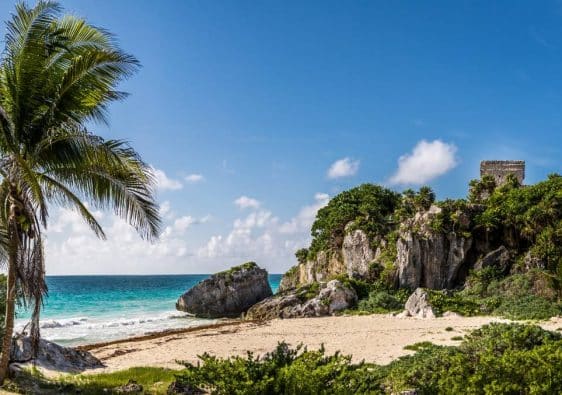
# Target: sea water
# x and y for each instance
(89, 309)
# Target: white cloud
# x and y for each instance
(194, 178)
(186, 245)
(427, 161)
(247, 202)
(262, 237)
(164, 183)
(305, 217)
(345, 167)
(72, 248)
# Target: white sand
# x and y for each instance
(373, 338)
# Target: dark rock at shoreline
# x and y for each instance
(313, 300)
(228, 293)
(52, 356)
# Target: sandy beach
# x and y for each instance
(373, 338)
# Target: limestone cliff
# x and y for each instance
(353, 259)
(427, 257)
(423, 254)
(409, 240)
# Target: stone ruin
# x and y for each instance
(500, 169)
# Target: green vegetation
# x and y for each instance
(58, 75)
(153, 381)
(370, 207)
(527, 221)
(496, 359)
(519, 296)
(234, 269)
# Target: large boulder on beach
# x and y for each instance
(418, 305)
(312, 300)
(228, 293)
(52, 356)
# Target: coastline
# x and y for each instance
(373, 338)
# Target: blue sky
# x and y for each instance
(261, 98)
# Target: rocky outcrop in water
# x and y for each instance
(309, 301)
(52, 356)
(228, 293)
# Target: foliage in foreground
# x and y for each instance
(153, 380)
(496, 359)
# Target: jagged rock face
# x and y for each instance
(289, 280)
(499, 258)
(426, 258)
(357, 254)
(354, 260)
(52, 356)
(226, 294)
(332, 297)
(532, 262)
(418, 305)
(325, 266)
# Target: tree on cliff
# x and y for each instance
(58, 74)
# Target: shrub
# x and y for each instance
(369, 206)
(529, 307)
(283, 371)
(380, 302)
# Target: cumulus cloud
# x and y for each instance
(345, 167)
(186, 245)
(263, 237)
(247, 202)
(72, 248)
(194, 178)
(165, 183)
(428, 160)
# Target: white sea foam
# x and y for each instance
(82, 330)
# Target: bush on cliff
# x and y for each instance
(369, 206)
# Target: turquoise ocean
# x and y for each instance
(88, 309)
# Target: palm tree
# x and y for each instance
(57, 75)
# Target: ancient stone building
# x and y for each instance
(500, 169)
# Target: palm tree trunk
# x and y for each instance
(10, 296)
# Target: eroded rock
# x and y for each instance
(357, 254)
(228, 293)
(52, 356)
(314, 300)
(499, 258)
(426, 257)
(418, 304)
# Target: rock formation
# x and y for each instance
(228, 293)
(357, 254)
(330, 298)
(428, 258)
(498, 258)
(418, 305)
(52, 356)
(354, 259)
